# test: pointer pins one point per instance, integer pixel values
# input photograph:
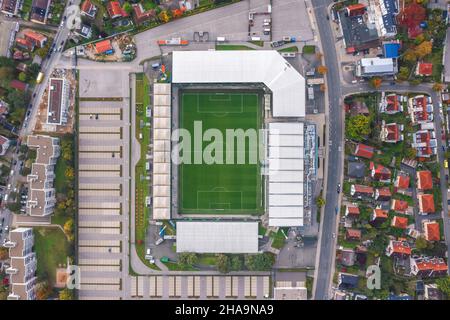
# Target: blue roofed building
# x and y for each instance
(391, 49)
(383, 13)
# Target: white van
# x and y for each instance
(221, 39)
(159, 241)
(256, 38)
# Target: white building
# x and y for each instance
(373, 67)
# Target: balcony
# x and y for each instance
(12, 270)
(10, 244)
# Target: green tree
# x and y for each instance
(127, 7)
(443, 284)
(358, 127)
(188, 258)
(259, 262)
(17, 99)
(6, 62)
(403, 73)
(23, 76)
(33, 70)
(320, 202)
(42, 52)
(66, 294)
(6, 75)
(43, 290)
(421, 243)
(236, 263)
(223, 263)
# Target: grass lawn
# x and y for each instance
(207, 259)
(60, 178)
(232, 47)
(289, 49)
(52, 249)
(261, 230)
(257, 43)
(231, 185)
(278, 239)
(308, 49)
(173, 266)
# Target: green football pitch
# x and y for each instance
(220, 188)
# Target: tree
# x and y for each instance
(188, 258)
(403, 73)
(6, 62)
(223, 263)
(320, 202)
(43, 290)
(322, 70)
(6, 75)
(412, 15)
(127, 7)
(421, 243)
(164, 16)
(259, 262)
(33, 70)
(23, 76)
(17, 99)
(322, 87)
(410, 153)
(69, 173)
(42, 52)
(4, 254)
(68, 229)
(410, 55)
(358, 127)
(375, 82)
(438, 87)
(443, 284)
(236, 263)
(177, 13)
(423, 49)
(66, 294)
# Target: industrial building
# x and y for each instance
(376, 67)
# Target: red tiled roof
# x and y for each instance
(425, 68)
(432, 231)
(434, 264)
(359, 188)
(356, 9)
(354, 210)
(400, 247)
(34, 36)
(392, 103)
(426, 203)
(384, 192)
(402, 181)
(353, 233)
(380, 214)
(424, 180)
(24, 43)
(19, 85)
(103, 46)
(86, 6)
(141, 15)
(380, 172)
(364, 151)
(399, 205)
(393, 132)
(115, 10)
(400, 222)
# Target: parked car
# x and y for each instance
(159, 241)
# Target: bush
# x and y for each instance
(260, 262)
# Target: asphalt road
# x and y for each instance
(334, 156)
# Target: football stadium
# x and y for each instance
(213, 96)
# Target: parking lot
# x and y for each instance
(103, 181)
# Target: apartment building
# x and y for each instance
(22, 271)
(41, 193)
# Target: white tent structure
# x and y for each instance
(259, 66)
(217, 236)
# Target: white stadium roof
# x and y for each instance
(286, 174)
(161, 151)
(259, 66)
(217, 237)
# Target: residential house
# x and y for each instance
(424, 69)
(383, 194)
(18, 55)
(380, 173)
(420, 109)
(357, 190)
(425, 143)
(103, 47)
(426, 203)
(41, 193)
(399, 222)
(353, 234)
(384, 13)
(22, 67)
(426, 267)
(347, 257)
(398, 249)
(10, 7)
(400, 206)
(432, 292)
(364, 151)
(361, 255)
(424, 180)
(39, 11)
(402, 181)
(84, 31)
(18, 85)
(140, 15)
(23, 264)
(4, 145)
(24, 44)
(352, 210)
(4, 108)
(391, 132)
(88, 9)
(357, 107)
(358, 32)
(356, 169)
(376, 67)
(347, 281)
(391, 103)
(36, 38)
(378, 216)
(115, 10)
(431, 230)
